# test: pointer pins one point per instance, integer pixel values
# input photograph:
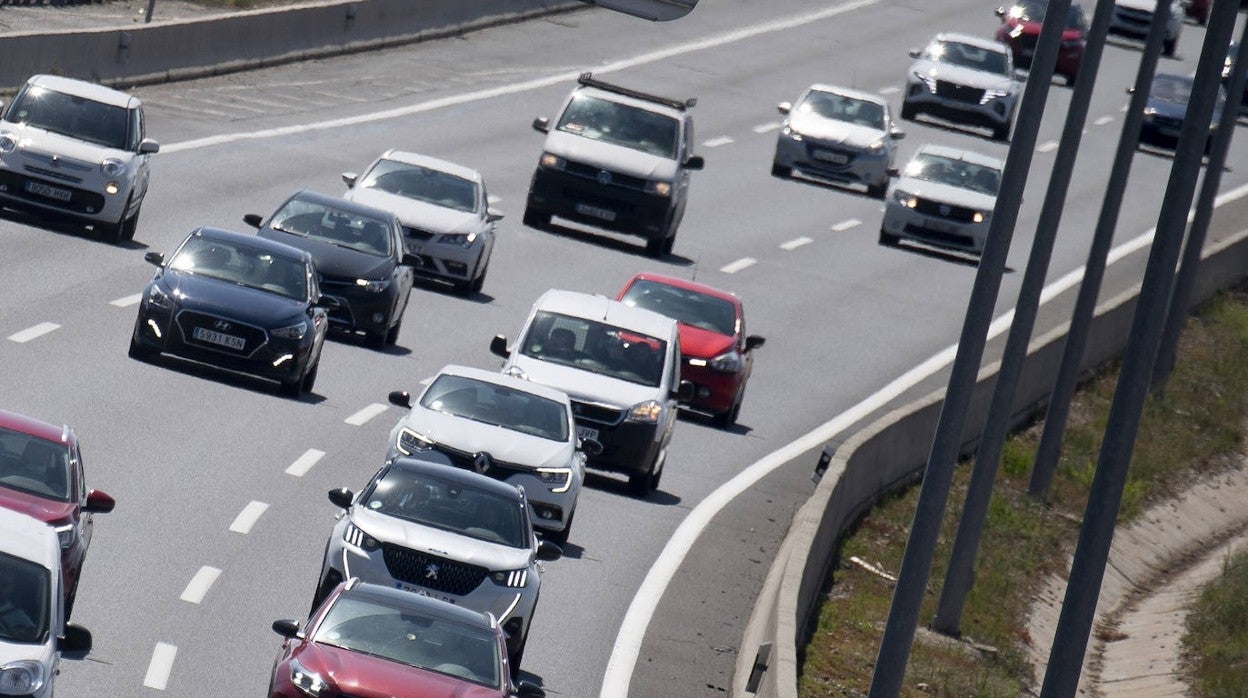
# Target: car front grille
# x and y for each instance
(253, 337)
(418, 234)
(938, 237)
(928, 207)
(80, 200)
(591, 197)
(340, 290)
(499, 470)
(960, 93)
(591, 412)
(431, 571)
(1168, 122)
(597, 174)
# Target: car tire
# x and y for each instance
(536, 219)
(131, 225)
(654, 247)
(781, 171)
(642, 484)
(1070, 79)
(331, 580)
(889, 240)
(514, 658)
(878, 190)
(1168, 46)
(392, 335)
(1002, 132)
(479, 283)
(309, 378)
(560, 538)
(69, 600)
(908, 111)
(137, 351)
(727, 418)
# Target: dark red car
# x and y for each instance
(373, 641)
(716, 354)
(1020, 30)
(41, 476)
(1199, 10)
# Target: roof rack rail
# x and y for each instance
(588, 80)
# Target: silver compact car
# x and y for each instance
(1132, 18)
(76, 150)
(838, 134)
(444, 208)
(944, 197)
(964, 79)
(511, 430)
(436, 530)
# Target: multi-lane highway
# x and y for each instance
(220, 482)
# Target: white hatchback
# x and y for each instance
(76, 150)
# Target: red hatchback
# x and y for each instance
(41, 476)
(1020, 30)
(373, 641)
(716, 354)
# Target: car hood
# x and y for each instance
(353, 670)
(229, 299)
(46, 510)
(14, 651)
(33, 138)
(609, 156)
(947, 193)
(964, 76)
(435, 541)
(502, 444)
(702, 344)
(417, 214)
(835, 131)
(335, 261)
(584, 385)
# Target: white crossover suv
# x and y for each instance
(964, 79)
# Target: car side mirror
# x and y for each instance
(154, 258)
(784, 107)
(541, 124)
(288, 629)
(1000, 12)
(411, 260)
(498, 346)
(915, 53)
(1130, 90)
(695, 162)
(528, 689)
(348, 178)
(99, 503)
(753, 342)
(896, 134)
(400, 398)
(590, 447)
(341, 497)
(76, 640)
(148, 146)
(492, 215)
(548, 551)
(684, 392)
(252, 219)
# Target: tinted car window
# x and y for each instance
(24, 600)
(498, 405)
(968, 56)
(35, 466)
(959, 173)
(685, 306)
(448, 506)
(243, 265)
(319, 222)
(597, 347)
(72, 116)
(422, 184)
(621, 124)
(842, 108)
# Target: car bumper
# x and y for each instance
(83, 201)
(996, 112)
(615, 208)
(627, 447)
(906, 223)
(360, 311)
(713, 391)
(450, 262)
(833, 162)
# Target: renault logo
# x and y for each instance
(431, 571)
(481, 462)
(604, 177)
(944, 210)
(222, 325)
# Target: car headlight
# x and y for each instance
(990, 95)
(295, 331)
(354, 535)
(552, 161)
(159, 299)
(557, 479)
(877, 146)
(1017, 31)
(977, 217)
(659, 188)
(648, 411)
(306, 682)
(728, 362)
(7, 143)
(373, 285)
(791, 134)
(927, 80)
(513, 579)
(112, 167)
(22, 677)
(1149, 112)
(65, 535)
(410, 441)
(460, 239)
(905, 198)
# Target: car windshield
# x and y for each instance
(68, 115)
(317, 221)
(621, 124)
(842, 108)
(449, 506)
(35, 466)
(243, 265)
(24, 600)
(596, 347)
(407, 636)
(423, 184)
(955, 172)
(1171, 88)
(1035, 11)
(684, 306)
(505, 407)
(968, 56)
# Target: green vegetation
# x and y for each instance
(1182, 434)
(1216, 643)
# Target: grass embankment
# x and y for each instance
(1216, 643)
(1181, 435)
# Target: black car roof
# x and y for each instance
(424, 605)
(438, 466)
(255, 241)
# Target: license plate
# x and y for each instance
(829, 156)
(49, 192)
(586, 433)
(218, 338)
(423, 592)
(595, 212)
(940, 226)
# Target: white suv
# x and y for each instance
(77, 150)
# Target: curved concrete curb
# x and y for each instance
(892, 451)
(184, 49)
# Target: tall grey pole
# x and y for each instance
(1061, 679)
(1181, 298)
(151, 7)
(1050, 447)
(959, 576)
(916, 565)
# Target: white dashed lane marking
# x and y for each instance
(305, 462)
(127, 301)
(248, 517)
(846, 225)
(795, 243)
(716, 142)
(160, 666)
(492, 200)
(891, 89)
(32, 332)
(360, 418)
(764, 128)
(1046, 146)
(1103, 120)
(200, 584)
(738, 265)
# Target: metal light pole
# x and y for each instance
(1095, 536)
(151, 7)
(916, 566)
(959, 577)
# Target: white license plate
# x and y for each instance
(594, 211)
(940, 227)
(423, 592)
(829, 156)
(218, 338)
(49, 192)
(586, 433)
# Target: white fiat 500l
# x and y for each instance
(944, 197)
(77, 150)
(33, 633)
(835, 133)
(445, 212)
(511, 430)
(964, 79)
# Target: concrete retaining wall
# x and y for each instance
(891, 452)
(145, 53)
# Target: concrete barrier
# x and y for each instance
(146, 53)
(892, 451)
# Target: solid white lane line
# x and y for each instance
(32, 332)
(305, 462)
(716, 142)
(890, 90)
(127, 301)
(738, 265)
(200, 584)
(1046, 146)
(248, 517)
(764, 128)
(160, 666)
(846, 225)
(1103, 120)
(637, 619)
(795, 243)
(360, 418)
